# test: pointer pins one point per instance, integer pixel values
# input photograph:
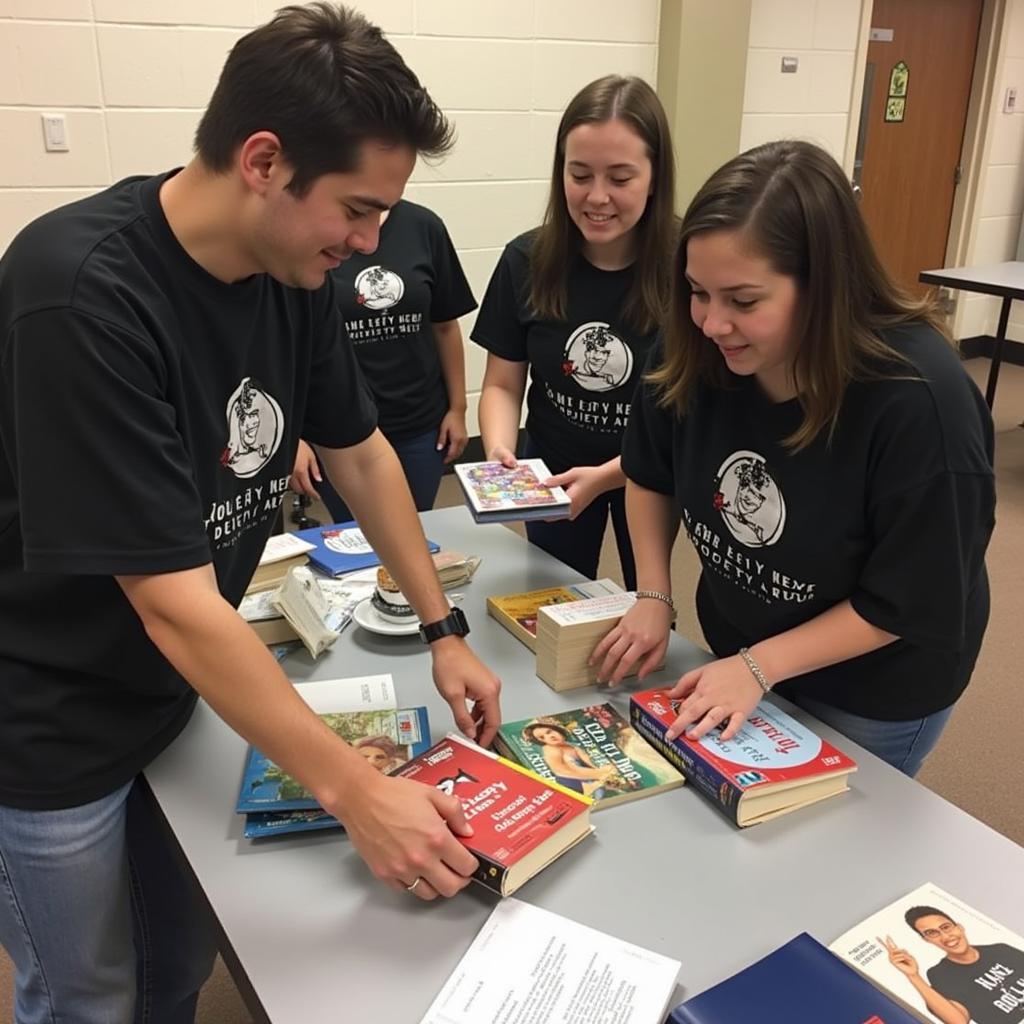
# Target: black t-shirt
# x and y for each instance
(583, 371)
(389, 300)
(894, 515)
(149, 417)
(985, 987)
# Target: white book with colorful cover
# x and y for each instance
(495, 493)
(941, 958)
(284, 545)
(552, 970)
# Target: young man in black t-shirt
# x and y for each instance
(984, 984)
(163, 346)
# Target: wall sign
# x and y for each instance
(899, 81)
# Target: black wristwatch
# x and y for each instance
(453, 624)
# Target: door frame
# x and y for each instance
(980, 114)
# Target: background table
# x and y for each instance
(1003, 279)
(311, 937)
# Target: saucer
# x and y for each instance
(369, 618)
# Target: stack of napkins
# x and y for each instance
(568, 633)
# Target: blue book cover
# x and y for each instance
(341, 548)
(259, 824)
(799, 983)
(387, 739)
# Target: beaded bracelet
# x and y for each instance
(755, 669)
(657, 595)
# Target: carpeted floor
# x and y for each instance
(976, 765)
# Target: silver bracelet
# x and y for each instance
(657, 595)
(755, 669)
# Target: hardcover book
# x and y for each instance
(496, 494)
(341, 548)
(521, 822)
(773, 765)
(799, 983)
(940, 957)
(387, 739)
(518, 612)
(531, 965)
(592, 750)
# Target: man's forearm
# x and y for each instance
(453, 362)
(220, 656)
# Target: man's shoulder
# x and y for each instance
(54, 256)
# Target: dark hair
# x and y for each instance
(381, 742)
(558, 240)
(914, 914)
(324, 80)
(530, 738)
(796, 209)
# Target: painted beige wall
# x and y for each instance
(132, 78)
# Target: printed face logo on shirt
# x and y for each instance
(378, 288)
(596, 359)
(749, 500)
(255, 428)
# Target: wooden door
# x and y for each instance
(909, 150)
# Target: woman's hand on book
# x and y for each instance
(582, 484)
(641, 636)
(499, 453)
(405, 831)
(719, 693)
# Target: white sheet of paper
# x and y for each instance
(359, 693)
(529, 964)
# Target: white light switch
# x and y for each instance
(55, 133)
(1010, 100)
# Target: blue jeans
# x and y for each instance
(98, 916)
(577, 542)
(904, 745)
(423, 465)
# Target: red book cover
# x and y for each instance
(771, 752)
(520, 821)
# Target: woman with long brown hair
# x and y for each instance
(575, 304)
(829, 458)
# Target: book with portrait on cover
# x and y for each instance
(496, 494)
(941, 958)
(592, 750)
(521, 822)
(773, 765)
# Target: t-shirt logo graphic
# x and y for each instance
(749, 500)
(378, 288)
(596, 359)
(255, 428)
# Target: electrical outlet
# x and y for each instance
(55, 133)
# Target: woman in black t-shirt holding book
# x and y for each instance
(574, 305)
(401, 305)
(829, 458)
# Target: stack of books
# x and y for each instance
(496, 494)
(518, 612)
(568, 633)
(283, 552)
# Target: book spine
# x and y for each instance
(489, 873)
(721, 791)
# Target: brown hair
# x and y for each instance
(558, 240)
(324, 80)
(795, 208)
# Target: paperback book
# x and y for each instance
(518, 612)
(529, 964)
(282, 552)
(798, 983)
(773, 765)
(940, 957)
(568, 633)
(387, 739)
(341, 548)
(593, 751)
(521, 822)
(496, 494)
